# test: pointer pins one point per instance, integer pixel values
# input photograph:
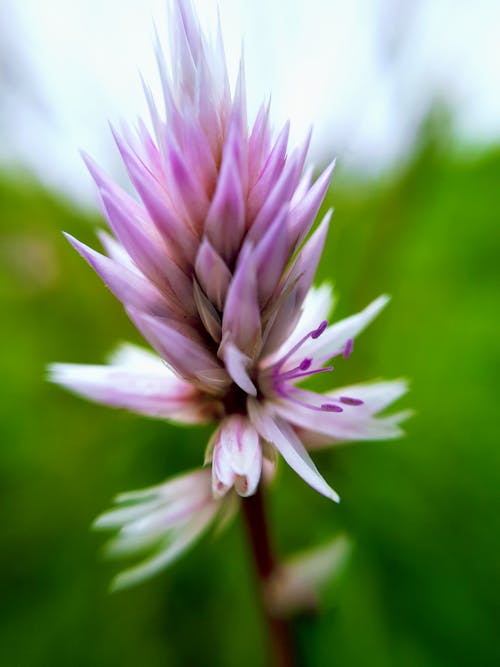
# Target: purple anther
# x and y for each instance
(317, 332)
(305, 364)
(331, 407)
(349, 346)
(347, 400)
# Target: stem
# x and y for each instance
(279, 629)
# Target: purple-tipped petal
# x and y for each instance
(149, 254)
(241, 319)
(225, 222)
(283, 437)
(304, 212)
(177, 234)
(270, 173)
(281, 192)
(299, 280)
(188, 194)
(258, 143)
(271, 256)
(128, 286)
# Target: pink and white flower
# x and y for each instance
(214, 264)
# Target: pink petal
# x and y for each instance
(150, 255)
(184, 354)
(128, 286)
(241, 318)
(213, 274)
(300, 278)
(304, 212)
(225, 222)
(237, 365)
(271, 256)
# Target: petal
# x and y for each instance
(213, 274)
(271, 256)
(341, 426)
(149, 253)
(208, 314)
(175, 547)
(131, 288)
(237, 457)
(185, 355)
(278, 432)
(241, 318)
(336, 336)
(299, 279)
(146, 389)
(305, 211)
(270, 173)
(225, 222)
(316, 308)
(237, 365)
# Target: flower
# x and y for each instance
(214, 264)
(166, 519)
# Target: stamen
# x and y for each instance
(347, 400)
(331, 407)
(291, 375)
(305, 364)
(326, 407)
(315, 333)
(349, 346)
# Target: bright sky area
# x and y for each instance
(363, 72)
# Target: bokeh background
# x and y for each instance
(407, 96)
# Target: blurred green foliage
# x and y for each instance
(422, 586)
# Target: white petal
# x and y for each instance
(336, 336)
(182, 540)
(237, 457)
(282, 436)
(146, 387)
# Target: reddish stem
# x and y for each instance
(279, 629)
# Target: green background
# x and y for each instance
(422, 585)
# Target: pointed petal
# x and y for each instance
(225, 222)
(150, 389)
(336, 336)
(304, 212)
(213, 274)
(271, 256)
(270, 172)
(341, 426)
(278, 432)
(300, 276)
(241, 318)
(186, 356)
(128, 286)
(208, 315)
(237, 365)
(181, 542)
(150, 255)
